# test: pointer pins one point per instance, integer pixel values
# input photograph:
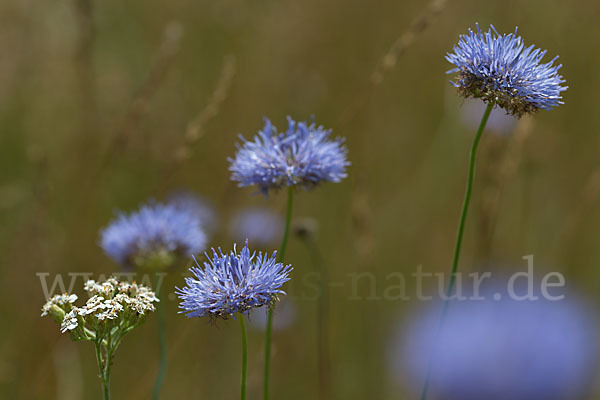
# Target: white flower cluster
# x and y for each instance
(105, 289)
(59, 300)
(108, 300)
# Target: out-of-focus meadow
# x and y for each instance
(104, 104)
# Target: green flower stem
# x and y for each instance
(162, 347)
(459, 238)
(109, 354)
(280, 254)
(104, 368)
(244, 356)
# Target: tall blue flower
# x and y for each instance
(233, 283)
(153, 237)
(303, 155)
(500, 69)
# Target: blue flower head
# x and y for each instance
(153, 237)
(303, 155)
(232, 283)
(500, 69)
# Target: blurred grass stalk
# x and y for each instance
(165, 56)
(195, 128)
(417, 26)
(503, 156)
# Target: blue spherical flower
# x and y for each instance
(502, 349)
(501, 70)
(233, 283)
(155, 236)
(303, 155)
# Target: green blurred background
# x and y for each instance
(104, 104)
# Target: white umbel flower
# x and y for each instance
(70, 322)
(112, 308)
(111, 303)
(58, 300)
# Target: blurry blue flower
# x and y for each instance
(260, 225)
(506, 349)
(232, 283)
(153, 237)
(500, 69)
(302, 156)
(284, 316)
(200, 206)
(499, 122)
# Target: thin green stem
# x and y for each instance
(104, 369)
(244, 356)
(162, 348)
(280, 254)
(109, 355)
(267, 354)
(459, 238)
